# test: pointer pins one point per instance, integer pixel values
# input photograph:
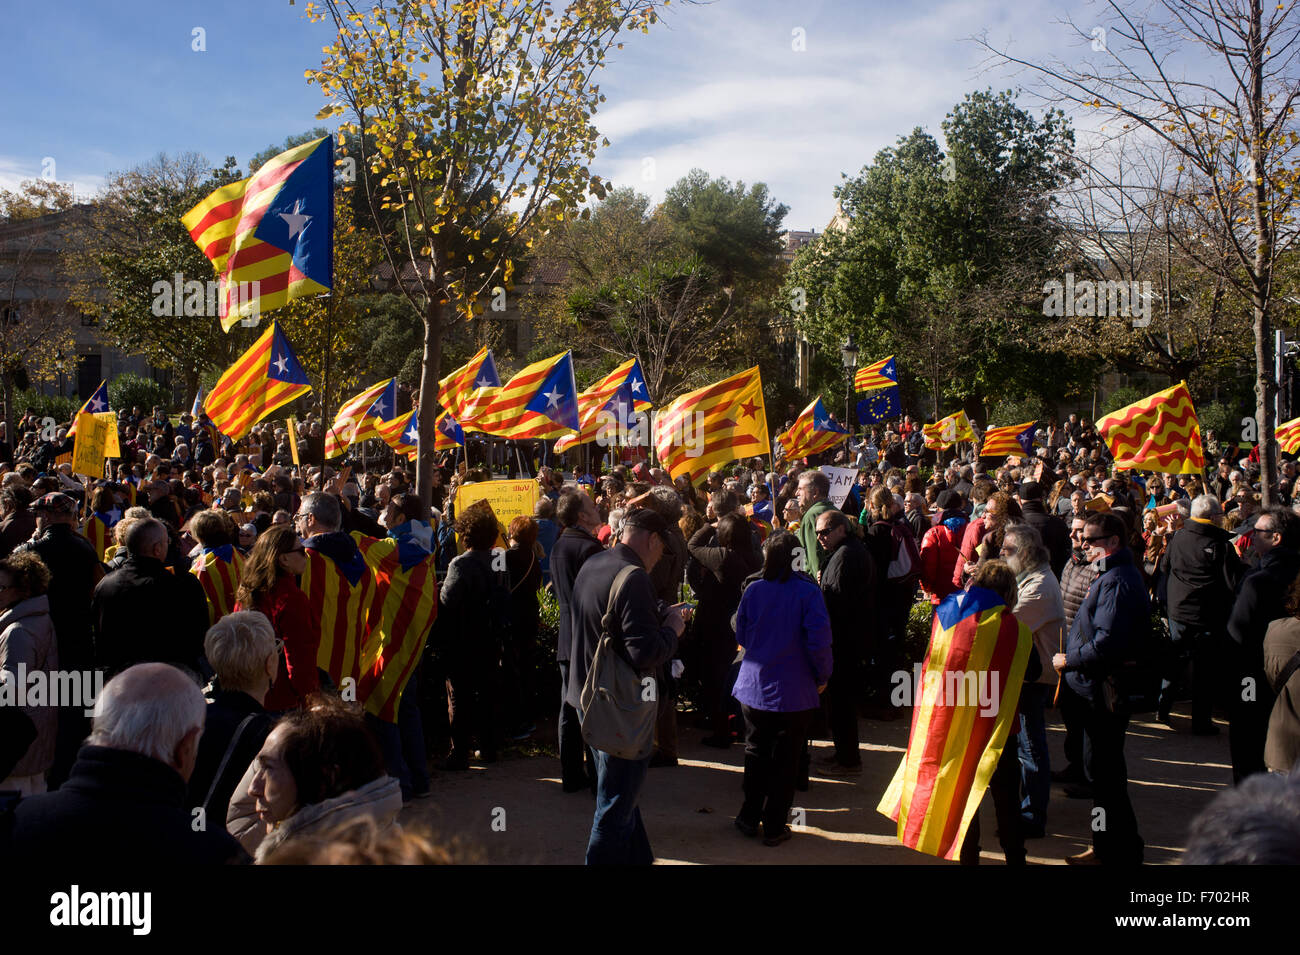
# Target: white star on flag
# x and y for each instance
(281, 364)
(483, 383)
(636, 385)
(297, 221)
(96, 404)
(413, 435)
(552, 397)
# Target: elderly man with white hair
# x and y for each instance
(125, 800)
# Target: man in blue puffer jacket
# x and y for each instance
(1109, 632)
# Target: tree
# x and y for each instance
(473, 123)
(1233, 131)
(37, 320)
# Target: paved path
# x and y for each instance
(688, 810)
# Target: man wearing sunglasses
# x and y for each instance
(1109, 631)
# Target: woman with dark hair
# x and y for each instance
(725, 557)
(785, 634)
(524, 564)
(269, 583)
(320, 768)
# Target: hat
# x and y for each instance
(1031, 491)
(645, 519)
(948, 500)
(57, 502)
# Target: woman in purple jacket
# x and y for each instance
(785, 632)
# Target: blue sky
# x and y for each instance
(102, 86)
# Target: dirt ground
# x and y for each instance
(514, 810)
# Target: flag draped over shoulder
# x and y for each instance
(1288, 436)
(457, 391)
(541, 401)
(812, 432)
(879, 374)
(1012, 439)
(403, 611)
(340, 589)
(1158, 433)
(946, 432)
(275, 229)
(712, 426)
(98, 529)
(96, 403)
(402, 434)
(339, 437)
(967, 702)
(219, 570)
(261, 379)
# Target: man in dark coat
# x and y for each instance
(125, 799)
(1110, 631)
(143, 613)
(1055, 534)
(579, 517)
(1203, 571)
(1260, 600)
(848, 582)
(644, 634)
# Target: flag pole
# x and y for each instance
(325, 378)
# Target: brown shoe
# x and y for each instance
(1087, 857)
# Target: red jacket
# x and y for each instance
(285, 605)
(939, 553)
(969, 545)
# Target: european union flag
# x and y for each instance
(879, 406)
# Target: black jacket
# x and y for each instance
(572, 549)
(143, 613)
(1054, 532)
(639, 633)
(228, 709)
(74, 571)
(1261, 600)
(1203, 573)
(118, 807)
(848, 583)
(720, 573)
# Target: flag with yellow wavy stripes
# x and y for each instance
(946, 432)
(1288, 436)
(713, 426)
(968, 696)
(1158, 433)
(401, 615)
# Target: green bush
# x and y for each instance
(60, 409)
(1219, 418)
(918, 632)
(1120, 397)
(128, 390)
(1014, 411)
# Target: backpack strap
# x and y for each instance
(225, 759)
(1286, 673)
(619, 580)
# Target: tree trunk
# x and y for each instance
(10, 417)
(430, 367)
(1265, 386)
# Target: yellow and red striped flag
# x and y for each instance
(879, 374)
(98, 529)
(219, 570)
(270, 237)
(597, 398)
(339, 437)
(1012, 439)
(261, 379)
(1288, 436)
(457, 391)
(712, 426)
(402, 434)
(1158, 433)
(340, 589)
(976, 661)
(946, 432)
(812, 432)
(404, 609)
(383, 409)
(540, 401)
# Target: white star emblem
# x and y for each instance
(281, 365)
(96, 404)
(483, 383)
(552, 397)
(296, 220)
(413, 435)
(379, 409)
(637, 384)
(821, 425)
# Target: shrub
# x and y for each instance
(128, 390)
(60, 409)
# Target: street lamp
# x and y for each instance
(849, 355)
(58, 366)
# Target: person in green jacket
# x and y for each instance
(814, 488)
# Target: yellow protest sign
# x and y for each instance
(94, 433)
(509, 499)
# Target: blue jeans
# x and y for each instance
(617, 834)
(1031, 744)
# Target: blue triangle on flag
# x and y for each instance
(300, 217)
(283, 365)
(557, 396)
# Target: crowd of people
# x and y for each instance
(198, 579)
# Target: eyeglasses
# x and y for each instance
(1094, 540)
(823, 531)
(1266, 530)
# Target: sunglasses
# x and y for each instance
(1094, 540)
(823, 531)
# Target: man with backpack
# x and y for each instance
(1111, 631)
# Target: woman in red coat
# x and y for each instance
(270, 584)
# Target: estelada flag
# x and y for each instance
(402, 434)
(98, 529)
(457, 390)
(262, 379)
(712, 426)
(401, 615)
(812, 432)
(946, 432)
(1012, 439)
(339, 436)
(219, 570)
(340, 589)
(96, 403)
(976, 661)
(1158, 433)
(275, 229)
(1288, 436)
(540, 401)
(383, 409)
(879, 374)
(606, 422)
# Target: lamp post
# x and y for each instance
(59, 367)
(849, 355)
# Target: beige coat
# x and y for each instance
(380, 800)
(27, 638)
(1040, 608)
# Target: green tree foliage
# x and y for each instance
(129, 390)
